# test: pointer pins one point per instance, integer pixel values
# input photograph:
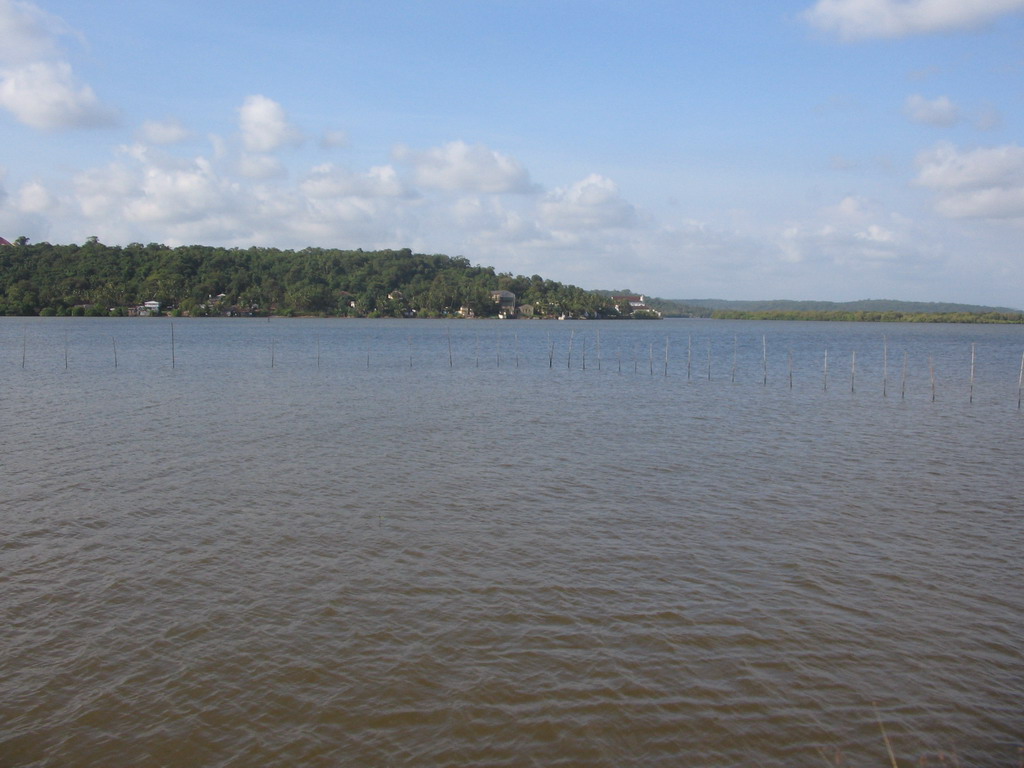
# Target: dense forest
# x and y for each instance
(96, 279)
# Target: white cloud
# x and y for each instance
(37, 84)
(169, 131)
(986, 183)
(331, 181)
(334, 138)
(458, 166)
(593, 203)
(265, 125)
(29, 33)
(46, 95)
(940, 111)
(258, 166)
(34, 198)
(860, 19)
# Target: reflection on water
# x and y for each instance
(330, 543)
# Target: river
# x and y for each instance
(237, 542)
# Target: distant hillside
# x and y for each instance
(865, 305)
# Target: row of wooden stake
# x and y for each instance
(689, 361)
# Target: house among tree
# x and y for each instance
(4, 241)
(506, 301)
(147, 309)
(636, 303)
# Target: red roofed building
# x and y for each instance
(5, 242)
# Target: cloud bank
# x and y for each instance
(37, 83)
(864, 19)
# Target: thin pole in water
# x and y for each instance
(572, 336)
(551, 352)
(65, 350)
(451, 364)
(666, 355)
(689, 354)
(931, 369)
(971, 400)
(1020, 380)
(599, 350)
(789, 366)
(885, 366)
(478, 349)
(273, 351)
(497, 350)
(824, 386)
(517, 349)
(114, 341)
(903, 378)
(584, 353)
(318, 352)
(709, 359)
(853, 372)
(764, 358)
(172, 345)
(735, 349)
(650, 357)
(24, 346)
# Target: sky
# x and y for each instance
(738, 149)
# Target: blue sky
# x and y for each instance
(820, 149)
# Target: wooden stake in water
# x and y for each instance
(172, 345)
(735, 350)
(65, 350)
(572, 336)
(517, 349)
(931, 369)
(451, 363)
(903, 378)
(599, 350)
(689, 354)
(114, 341)
(789, 367)
(618, 357)
(885, 365)
(551, 352)
(497, 351)
(584, 353)
(853, 371)
(1020, 380)
(478, 349)
(764, 359)
(273, 353)
(318, 353)
(971, 400)
(650, 357)
(24, 346)
(824, 385)
(666, 355)
(709, 359)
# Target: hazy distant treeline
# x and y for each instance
(873, 317)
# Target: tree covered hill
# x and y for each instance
(98, 279)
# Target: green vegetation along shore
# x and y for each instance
(99, 280)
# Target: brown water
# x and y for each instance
(360, 553)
